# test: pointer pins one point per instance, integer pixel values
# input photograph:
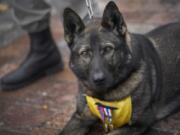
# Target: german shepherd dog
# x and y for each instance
(112, 64)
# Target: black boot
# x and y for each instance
(43, 58)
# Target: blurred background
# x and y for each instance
(44, 107)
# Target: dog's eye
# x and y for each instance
(107, 50)
(85, 55)
(84, 52)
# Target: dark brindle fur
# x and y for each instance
(111, 63)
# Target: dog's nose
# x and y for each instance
(98, 77)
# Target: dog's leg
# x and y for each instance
(129, 131)
(78, 125)
(81, 121)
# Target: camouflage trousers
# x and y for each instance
(34, 15)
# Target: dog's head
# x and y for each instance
(100, 57)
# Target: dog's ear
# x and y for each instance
(72, 25)
(113, 19)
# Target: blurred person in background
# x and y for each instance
(44, 57)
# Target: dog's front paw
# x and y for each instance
(64, 132)
(61, 133)
(115, 132)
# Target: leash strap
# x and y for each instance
(90, 10)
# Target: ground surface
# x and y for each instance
(44, 107)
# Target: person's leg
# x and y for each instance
(78, 6)
(43, 57)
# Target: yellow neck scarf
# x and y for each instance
(113, 114)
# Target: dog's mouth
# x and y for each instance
(100, 87)
(100, 84)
